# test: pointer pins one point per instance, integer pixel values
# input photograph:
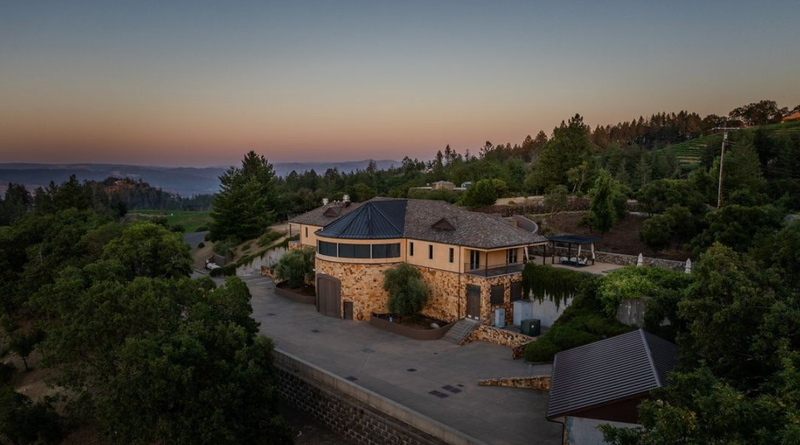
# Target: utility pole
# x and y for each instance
(721, 164)
(722, 160)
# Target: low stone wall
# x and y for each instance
(294, 296)
(540, 382)
(502, 337)
(364, 417)
(407, 331)
(619, 258)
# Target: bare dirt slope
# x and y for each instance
(623, 238)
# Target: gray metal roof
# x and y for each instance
(609, 370)
(324, 215)
(418, 218)
(378, 219)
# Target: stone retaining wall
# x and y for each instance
(620, 259)
(501, 337)
(364, 417)
(540, 382)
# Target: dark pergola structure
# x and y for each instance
(571, 240)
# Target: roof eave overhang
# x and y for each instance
(583, 409)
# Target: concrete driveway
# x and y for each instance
(407, 371)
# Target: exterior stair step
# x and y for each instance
(460, 331)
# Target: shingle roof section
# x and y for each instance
(608, 370)
(418, 218)
(324, 215)
(373, 220)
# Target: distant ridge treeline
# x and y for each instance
(112, 195)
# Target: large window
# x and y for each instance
(362, 251)
(386, 250)
(354, 251)
(512, 256)
(326, 248)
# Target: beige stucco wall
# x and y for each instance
(441, 255)
(311, 239)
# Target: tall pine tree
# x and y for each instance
(246, 205)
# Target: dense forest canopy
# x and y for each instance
(634, 153)
(114, 195)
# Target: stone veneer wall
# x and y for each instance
(362, 284)
(486, 283)
(618, 258)
(540, 382)
(446, 301)
(499, 336)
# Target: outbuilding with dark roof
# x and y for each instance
(606, 380)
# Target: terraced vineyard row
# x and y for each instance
(690, 152)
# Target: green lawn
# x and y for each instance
(189, 220)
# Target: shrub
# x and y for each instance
(207, 237)
(268, 238)
(25, 422)
(408, 294)
(201, 229)
(22, 344)
(201, 244)
(7, 371)
(177, 228)
(581, 323)
(224, 271)
(633, 282)
(556, 199)
(657, 232)
(607, 203)
(224, 248)
(8, 324)
(296, 267)
(557, 283)
(484, 193)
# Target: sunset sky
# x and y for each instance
(197, 83)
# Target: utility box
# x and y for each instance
(500, 318)
(531, 327)
(523, 310)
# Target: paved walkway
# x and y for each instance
(407, 371)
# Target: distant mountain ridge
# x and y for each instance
(185, 181)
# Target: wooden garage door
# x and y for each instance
(473, 302)
(329, 296)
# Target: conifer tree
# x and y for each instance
(246, 205)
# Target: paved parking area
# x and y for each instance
(436, 378)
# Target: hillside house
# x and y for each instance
(472, 262)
